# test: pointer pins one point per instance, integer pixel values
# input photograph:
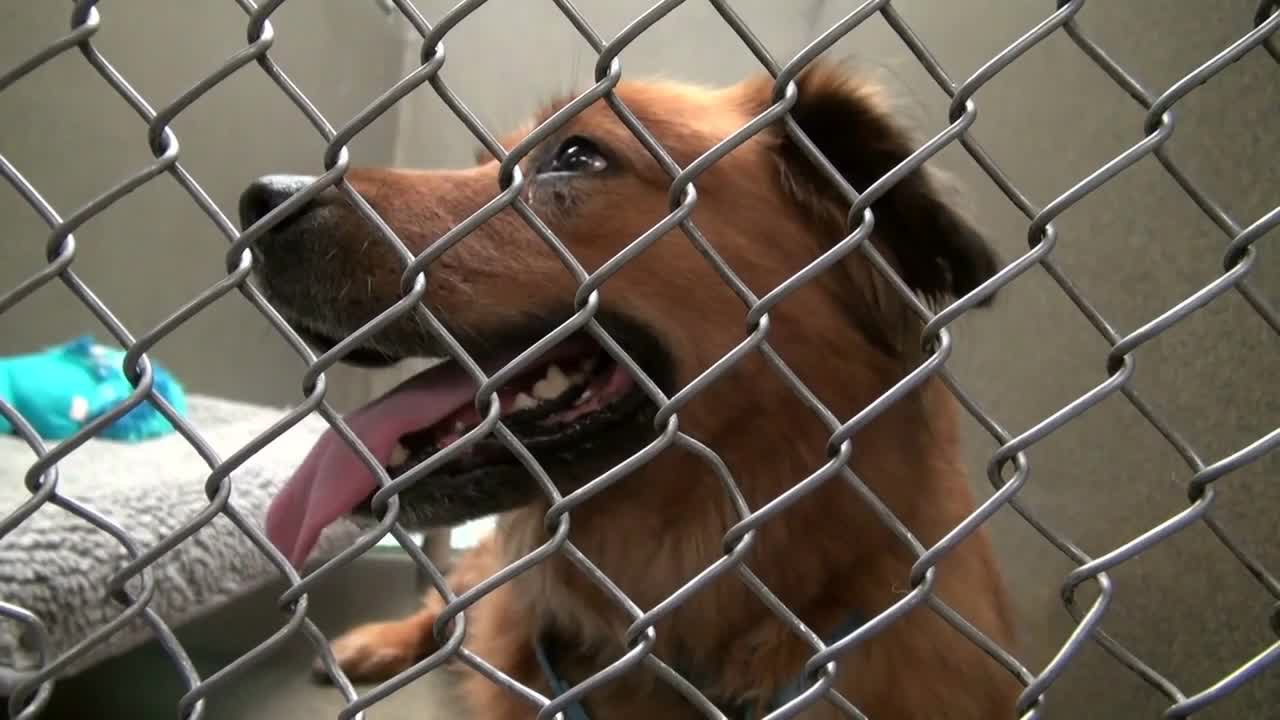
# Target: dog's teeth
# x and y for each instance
(585, 396)
(556, 375)
(524, 401)
(399, 455)
(551, 386)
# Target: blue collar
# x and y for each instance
(546, 649)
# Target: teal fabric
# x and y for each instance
(545, 649)
(61, 388)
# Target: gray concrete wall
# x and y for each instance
(1134, 248)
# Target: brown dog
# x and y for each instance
(768, 212)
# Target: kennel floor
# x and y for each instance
(141, 685)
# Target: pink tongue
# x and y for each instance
(332, 480)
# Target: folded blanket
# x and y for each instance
(56, 565)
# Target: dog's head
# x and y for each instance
(765, 208)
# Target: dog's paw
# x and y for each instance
(374, 652)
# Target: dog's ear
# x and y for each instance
(937, 251)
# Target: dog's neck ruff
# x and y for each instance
(547, 650)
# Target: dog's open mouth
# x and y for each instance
(573, 402)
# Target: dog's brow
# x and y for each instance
(482, 155)
(550, 108)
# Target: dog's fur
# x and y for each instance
(847, 334)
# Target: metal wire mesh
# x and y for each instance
(1007, 468)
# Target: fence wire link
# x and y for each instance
(1007, 469)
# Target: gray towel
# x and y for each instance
(56, 565)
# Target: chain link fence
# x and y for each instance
(134, 583)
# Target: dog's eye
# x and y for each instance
(578, 155)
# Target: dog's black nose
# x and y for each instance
(267, 193)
